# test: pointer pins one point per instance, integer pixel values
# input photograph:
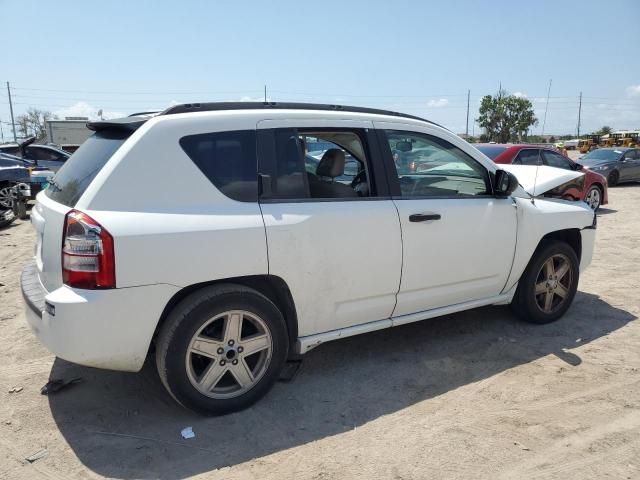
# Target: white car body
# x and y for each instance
(349, 269)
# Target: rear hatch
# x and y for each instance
(61, 196)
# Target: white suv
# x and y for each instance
(229, 237)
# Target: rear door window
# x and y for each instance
(78, 172)
(228, 160)
(316, 163)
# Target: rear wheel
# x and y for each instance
(549, 283)
(594, 197)
(221, 349)
(613, 178)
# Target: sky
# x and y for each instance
(419, 57)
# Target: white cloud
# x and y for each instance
(441, 102)
(83, 109)
(520, 94)
(633, 91)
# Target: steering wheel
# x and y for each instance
(359, 183)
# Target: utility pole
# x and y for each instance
(265, 94)
(579, 113)
(13, 122)
(545, 109)
(468, 96)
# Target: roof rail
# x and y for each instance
(134, 121)
(219, 106)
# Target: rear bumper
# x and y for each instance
(109, 329)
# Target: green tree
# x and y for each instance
(606, 130)
(552, 139)
(506, 117)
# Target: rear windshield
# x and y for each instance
(77, 173)
(491, 151)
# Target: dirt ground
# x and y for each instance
(472, 395)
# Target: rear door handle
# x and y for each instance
(423, 217)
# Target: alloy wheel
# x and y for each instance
(593, 198)
(553, 283)
(229, 354)
(6, 197)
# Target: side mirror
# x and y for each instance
(506, 183)
(578, 166)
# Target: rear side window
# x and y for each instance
(78, 172)
(228, 160)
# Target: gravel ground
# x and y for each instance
(472, 395)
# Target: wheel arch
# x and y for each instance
(571, 236)
(271, 286)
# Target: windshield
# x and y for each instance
(77, 173)
(602, 155)
(491, 151)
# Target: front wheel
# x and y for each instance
(594, 198)
(613, 178)
(549, 283)
(221, 349)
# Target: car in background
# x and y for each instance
(617, 164)
(41, 155)
(594, 189)
(18, 170)
(11, 174)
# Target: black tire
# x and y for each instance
(525, 301)
(20, 209)
(186, 319)
(5, 223)
(613, 178)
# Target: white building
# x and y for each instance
(69, 133)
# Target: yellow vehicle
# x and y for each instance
(588, 144)
(607, 142)
(625, 138)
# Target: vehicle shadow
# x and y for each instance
(606, 211)
(342, 385)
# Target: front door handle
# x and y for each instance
(423, 217)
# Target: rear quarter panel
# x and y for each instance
(169, 223)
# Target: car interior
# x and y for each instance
(335, 164)
(431, 168)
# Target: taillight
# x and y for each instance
(87, 253)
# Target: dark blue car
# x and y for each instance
(12, 171)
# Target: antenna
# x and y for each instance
(546, 108)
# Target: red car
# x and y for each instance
(594, 191)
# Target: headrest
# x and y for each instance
(332, 164)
